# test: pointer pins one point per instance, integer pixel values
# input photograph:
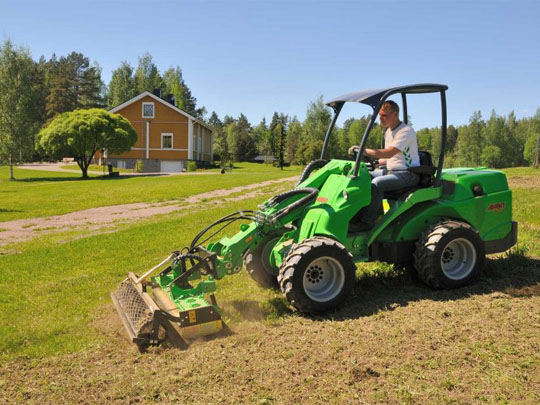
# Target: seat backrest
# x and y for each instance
(425, 158)
(427, 170)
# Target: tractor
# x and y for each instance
(302, 242)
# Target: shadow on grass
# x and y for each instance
(104, 177)
(51, 179)
(7, 210)
(512, 274)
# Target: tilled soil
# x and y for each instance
(395, 341)
(97, 218)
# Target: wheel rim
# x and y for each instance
(324, 279)
(267, 266)
(458, 259)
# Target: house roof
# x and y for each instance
(166, 103)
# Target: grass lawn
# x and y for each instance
(76, 278)
(395, 341)
(38, 193)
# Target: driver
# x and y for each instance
(400, 153)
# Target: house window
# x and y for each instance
(166, 141)
(148, 110)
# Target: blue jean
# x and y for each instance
(383, 180)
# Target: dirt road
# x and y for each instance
(101, 217)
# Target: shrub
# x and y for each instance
(191, 166)
(139, 166)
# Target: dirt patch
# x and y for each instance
(529, 182)
(468, 350)
(94, 219)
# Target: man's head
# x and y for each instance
(389, 114)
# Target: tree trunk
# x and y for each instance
(11, 178)
(83, 167)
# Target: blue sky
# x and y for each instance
(257, 57)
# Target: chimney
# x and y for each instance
(170, 98)
(157, 92)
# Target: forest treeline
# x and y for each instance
(33, 92)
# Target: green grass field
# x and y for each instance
(38, 193)
(395, 341)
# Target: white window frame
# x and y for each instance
(164, 134)
(153, 110)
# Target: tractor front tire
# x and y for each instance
(449, 255)
(317, 275)
(258, 263)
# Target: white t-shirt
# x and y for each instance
(403, 138)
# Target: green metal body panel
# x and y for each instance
(490, 213)
(340, 197)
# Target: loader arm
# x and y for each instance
(178, 296)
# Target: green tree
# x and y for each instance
(273, 134)
(260, 136)
(17, 104)
(221, 146)
(530, 151)
(318, 117)
(278, 128)
(73, 84)
(121, 86)
(498, 134)
(423, 137)
(81, 133)
(240, 141)
(245, 144)
(147, 76)
(293, 139)
(472, 140)
(492, 156)
(174, 84)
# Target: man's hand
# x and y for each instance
(353, 150)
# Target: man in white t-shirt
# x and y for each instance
(400, 152)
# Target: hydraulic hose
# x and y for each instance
(312, 194)
(313, 165)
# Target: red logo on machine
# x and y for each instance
(496, 207)
(322, 199)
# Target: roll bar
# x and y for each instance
(375, 99)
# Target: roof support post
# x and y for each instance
(404, 105)
(337, 108)
(437, 182)
(190, 139)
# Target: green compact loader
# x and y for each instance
(301, 242)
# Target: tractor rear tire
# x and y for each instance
(258, 262)
(317, 275)
(449, 255)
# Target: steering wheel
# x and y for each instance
(370, 162)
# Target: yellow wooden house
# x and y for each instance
(167, 136)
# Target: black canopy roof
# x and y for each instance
(372, 97)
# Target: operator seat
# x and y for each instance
(426, 171)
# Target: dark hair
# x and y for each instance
(392, 106)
